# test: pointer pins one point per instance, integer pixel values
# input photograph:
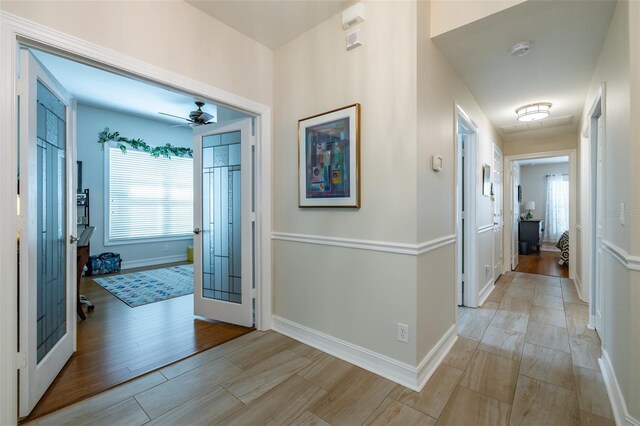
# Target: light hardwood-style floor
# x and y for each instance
(545, 263)
(117, 343)
(524, 357)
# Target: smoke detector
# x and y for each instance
(521, 49)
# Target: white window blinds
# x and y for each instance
(149, 197)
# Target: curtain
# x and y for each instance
(557, 216)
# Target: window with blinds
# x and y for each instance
(148, 197)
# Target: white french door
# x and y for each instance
(223, 221)
(47, 271)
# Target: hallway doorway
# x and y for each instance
(542, 205)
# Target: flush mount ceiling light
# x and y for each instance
(521, 49)
(533, 112)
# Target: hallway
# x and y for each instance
(524, 357)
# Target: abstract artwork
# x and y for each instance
(329, 163)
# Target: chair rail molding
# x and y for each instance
(621, 255)
(372, 245)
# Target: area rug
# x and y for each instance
(141, 288)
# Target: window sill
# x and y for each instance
(108, 243)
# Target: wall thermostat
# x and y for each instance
(353, 39)
(437, 163)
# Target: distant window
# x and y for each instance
(148, 197)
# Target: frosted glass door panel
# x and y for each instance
(221, 217)
(51, 216)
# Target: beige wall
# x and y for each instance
(530, 146)
(448, 15)
(620, 301)
(439, 89)
(354, 295)
(172, 35)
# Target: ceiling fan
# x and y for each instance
(196, 118)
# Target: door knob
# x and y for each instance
(72, 239)
(197, 231)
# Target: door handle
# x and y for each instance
(72, 239)
(197, 231)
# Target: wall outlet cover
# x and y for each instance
(403, 333)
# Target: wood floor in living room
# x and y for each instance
(117, 343)
(525, 357)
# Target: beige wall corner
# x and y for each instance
(532, 146)
(447, 15)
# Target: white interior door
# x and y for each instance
(223, 220)
(47, 313)
(515, 213)
(498, 222)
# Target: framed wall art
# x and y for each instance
(329, 159)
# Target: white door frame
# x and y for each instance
(498, 227)
(471, 294)
(508, 199)
(15, 31)
(593, 212)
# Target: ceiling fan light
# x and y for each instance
(534, 112)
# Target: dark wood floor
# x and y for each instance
(543, 263)
(117, 343)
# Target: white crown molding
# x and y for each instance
(372, 245)
(630, 262)
(485, 228)
(616, 397)
(402, 373)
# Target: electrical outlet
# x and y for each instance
(403, 333)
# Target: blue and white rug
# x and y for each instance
(141, 288)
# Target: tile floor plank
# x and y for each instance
(491, 375)
(353, 399)
(394, 413)
(432, 399)
(548, 365)
(538, 403)
(469, 408)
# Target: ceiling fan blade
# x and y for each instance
(182, 125)
(175, 116)
(204, 117)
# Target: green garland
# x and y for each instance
(138, 144)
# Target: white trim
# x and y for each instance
(621, 255)
(372, 245)
(14, 28)
(616, 397)
(578, 285)
(436, 355)
(487, 290)
(485, 228)
(578, 227)
(402, 373)
(153, 261)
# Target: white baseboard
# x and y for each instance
(382, 365)
(616, 398)
(486, 291)
(153, 261)
(578, 284)
(434, 358)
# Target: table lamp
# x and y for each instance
(529, 205)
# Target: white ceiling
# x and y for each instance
(567, 37)
(271, 22)
(548, 160)
(96, 87)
